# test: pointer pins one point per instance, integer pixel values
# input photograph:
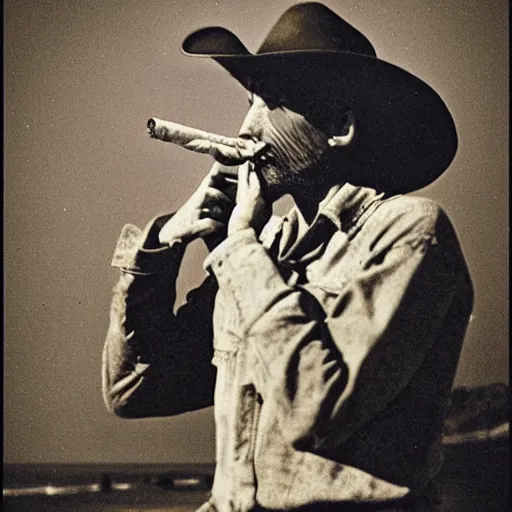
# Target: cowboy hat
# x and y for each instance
(407, 137)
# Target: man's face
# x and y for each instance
(296, 147)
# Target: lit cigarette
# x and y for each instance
(226, 150)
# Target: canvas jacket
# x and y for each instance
(328, 352)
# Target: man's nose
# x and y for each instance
(254, 120)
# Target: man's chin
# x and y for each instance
(274, 186)
(279, 181)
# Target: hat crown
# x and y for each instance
(313, 26)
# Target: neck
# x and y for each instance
(308, 201)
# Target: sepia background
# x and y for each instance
(81, 77)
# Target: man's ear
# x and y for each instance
(347, 131)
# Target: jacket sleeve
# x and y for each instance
(328, 372)
(155, 362)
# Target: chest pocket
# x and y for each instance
(225, 324)
(225, 362)
(336, 267)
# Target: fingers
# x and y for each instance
(251, 210)
(208, 226)
(243, 181)
(214, 196)
(254, 182)
(215, 212)
(220, 175)
(238, 154)
(216, 205)
(228, 156)
(219, 180)
(249, 182)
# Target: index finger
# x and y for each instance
(243, 180)
(221, 180)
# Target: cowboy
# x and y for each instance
(335, 331)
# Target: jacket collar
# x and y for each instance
(341, 210)
(344, 204)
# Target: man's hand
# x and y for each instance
(204, 215)
(251, 210)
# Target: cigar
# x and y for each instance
(226, 150)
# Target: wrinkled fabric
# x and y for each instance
(333, 350)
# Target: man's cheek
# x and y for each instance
(296, 140)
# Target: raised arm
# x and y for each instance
(155, 362)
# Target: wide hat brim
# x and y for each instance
(407, 136)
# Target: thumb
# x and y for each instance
(243, 181)
(254, 184)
